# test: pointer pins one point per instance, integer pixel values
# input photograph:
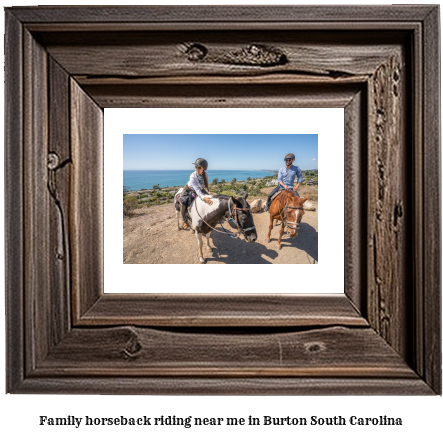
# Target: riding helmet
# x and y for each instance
(201, 162)
(291, 156)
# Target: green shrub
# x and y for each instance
(254, 191)
(228, 193)
(219, 189)
(129, 205)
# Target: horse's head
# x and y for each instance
(294, 213)
(245, 219)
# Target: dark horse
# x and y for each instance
(204, 217)
(289, 209)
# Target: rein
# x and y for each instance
(284, 219)
(231, 219)
(241, 230)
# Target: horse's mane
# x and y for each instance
(286, 195)
(220, 196)
(226, 197)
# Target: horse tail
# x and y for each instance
(176, 199)
(179, 191)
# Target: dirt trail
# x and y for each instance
(151, 237)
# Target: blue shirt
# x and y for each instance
(287, 176)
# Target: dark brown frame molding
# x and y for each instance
(65, 64)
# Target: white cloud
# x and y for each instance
(313, 159)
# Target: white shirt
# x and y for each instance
(197, 184)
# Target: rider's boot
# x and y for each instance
(183, 209)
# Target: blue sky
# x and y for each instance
(222, 151)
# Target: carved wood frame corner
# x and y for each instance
(64, 65)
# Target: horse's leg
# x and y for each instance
(281, 235)
(200, 246)
(271, 226)
(208, 243)
(177, 216)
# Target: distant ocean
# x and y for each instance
(146, 179)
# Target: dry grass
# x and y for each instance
(308, 190)
(312, 191)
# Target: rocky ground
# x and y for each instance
(150, 236)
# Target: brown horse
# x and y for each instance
(289, 209)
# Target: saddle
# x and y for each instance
(187, 197)
(275, 195)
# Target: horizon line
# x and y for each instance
(229, 170)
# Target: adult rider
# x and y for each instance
(286, 178)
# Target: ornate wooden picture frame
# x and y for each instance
(65, 64)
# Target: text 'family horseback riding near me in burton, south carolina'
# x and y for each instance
(190, 421)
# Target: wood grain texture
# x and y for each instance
(247, 310)
(226, 96)
(432, 334)
(86, 209)
(417, 245)
(288, 386)
(59, 166)
(224, 14)
(355, 195)
(384, 340)
(14, 239)
(38, 309)
(388, 203)
(161, 54)
(129, 351)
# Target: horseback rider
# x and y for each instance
(197, 185)
(286, 179)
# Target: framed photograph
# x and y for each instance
(379, 332)
(221, 207)
(150, 231)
